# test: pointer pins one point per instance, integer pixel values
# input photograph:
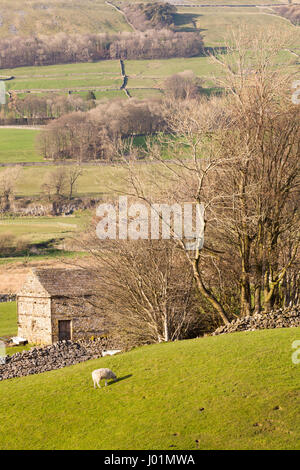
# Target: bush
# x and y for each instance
(95, 135)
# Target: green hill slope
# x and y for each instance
(52, 16)
(238, 391)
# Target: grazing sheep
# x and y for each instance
(100, 374)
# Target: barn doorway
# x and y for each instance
(64, 330)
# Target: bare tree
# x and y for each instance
(73, 174)
(8, 180)
(184, 85)
(239, 157)
(59, 180)
(145, 288)
(62, 48)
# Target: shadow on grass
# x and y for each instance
(119, 379)
(181, 22)
(215, 50)
(213, 91)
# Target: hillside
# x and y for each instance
(238, 391)
(38, 17)
(52, 16)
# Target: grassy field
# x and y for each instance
(238, 391)
(95, 181)
(103, 74)
(73, 16)
(101, 181)
(41, 238)
(216, 24)
(8, 325)
(53, 16)
(142, 74)
(48, 255)
(41, 229)
(8, 319)
(18, 145)
(145, 77)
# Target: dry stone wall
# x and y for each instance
(7, 298)
(56, 356)
(282, 318)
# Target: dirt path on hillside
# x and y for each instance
(121, 13)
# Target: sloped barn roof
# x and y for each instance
(64, 282)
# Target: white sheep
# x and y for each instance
(100, 374)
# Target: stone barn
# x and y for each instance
(56, 304)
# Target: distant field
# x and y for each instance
(106, 74)
(153, 73)
(230, 2)
(105, 66)
(146, 76)
(103, 74)
(96, 180)
(41, 229)
(215, 24)
(54, 16)
(18, 145)
(8, 319)
(102, 181)
(75, 16)
(42, 238)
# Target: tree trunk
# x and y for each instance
(166, 330)
(245, 281)
(206, 293)
(257, 299)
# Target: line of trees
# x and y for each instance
(62, 48)
(96, 134)
(48, 106)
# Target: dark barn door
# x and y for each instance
(64, 329)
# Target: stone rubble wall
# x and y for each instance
(281, 318)
(56, 356)
(7, 298)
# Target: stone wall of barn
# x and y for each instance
(85, 322)
(34, 319)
